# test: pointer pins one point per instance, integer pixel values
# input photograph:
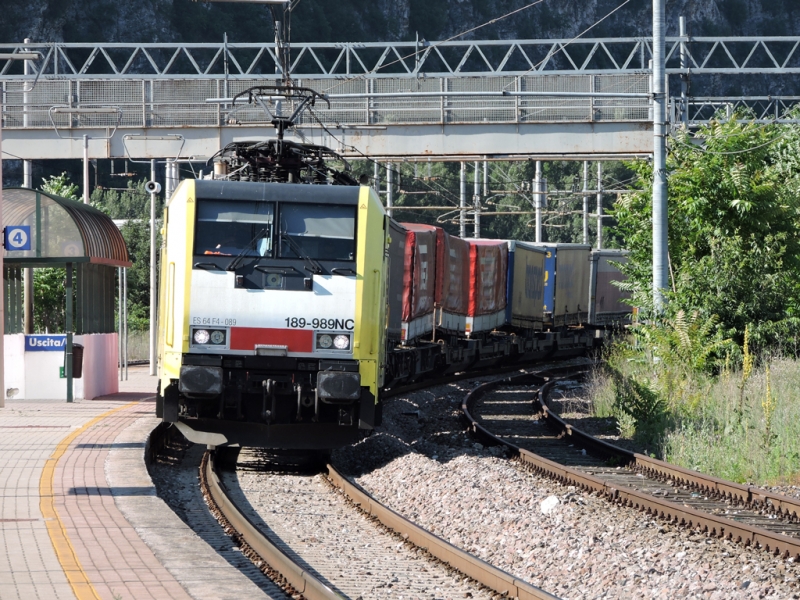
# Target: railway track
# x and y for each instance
(468, 575)
(513, 412)
(305, 532)
(460, 574)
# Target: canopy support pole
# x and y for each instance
(125, 315)
(2, 270)
(119, 318)
(68, 329)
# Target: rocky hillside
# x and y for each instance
(364, 20)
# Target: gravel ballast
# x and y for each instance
(313, 523)
(422, 463)
(212, 552)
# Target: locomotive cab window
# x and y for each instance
(317, 231)
(233, 228)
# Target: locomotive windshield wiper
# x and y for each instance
(312, 265)
(250, 245)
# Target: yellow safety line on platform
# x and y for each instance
(81, 586)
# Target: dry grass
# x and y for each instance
(713, 424)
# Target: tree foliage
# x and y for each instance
(132, 205)
(60, 185)
(49, 300)
(733, 207)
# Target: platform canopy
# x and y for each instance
(59, 231)
(50, 231)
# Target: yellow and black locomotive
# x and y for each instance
(273, 279)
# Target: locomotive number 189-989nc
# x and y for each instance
(316, 323)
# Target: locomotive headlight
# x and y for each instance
(324, 341)
(201, 336)
(217, 337)
(342, 342)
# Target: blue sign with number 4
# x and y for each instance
(18, 237)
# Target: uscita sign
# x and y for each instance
(45, 343)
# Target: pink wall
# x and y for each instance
(100, 360)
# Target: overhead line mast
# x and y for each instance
(660, 214)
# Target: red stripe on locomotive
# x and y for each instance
(297, 340)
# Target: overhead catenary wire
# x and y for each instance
(581, 34)
(437, 44)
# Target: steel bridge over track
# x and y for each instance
(459, 100)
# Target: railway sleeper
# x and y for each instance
(756, 500)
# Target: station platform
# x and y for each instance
(79, 515)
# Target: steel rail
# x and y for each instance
(501, 582)
(258, 547)
(252, 541)
(279, 567)
(665, 509)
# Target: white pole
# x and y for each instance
(171, 178)
(476, 199)
(462, 204)
(585, 202)
(27, 181)
(152, 272)
(376, 177)
(537, 200)
(86, 169)
(26, 164)
(599, 206)
(389, 188)
(485, 178)
(167, 176)
(660, 249)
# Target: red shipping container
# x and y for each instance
(488, 266)
(419, 271)
(394, 301)
(452, 273)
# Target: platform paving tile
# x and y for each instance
(29, 433)
(104, 542)
(193, 559)
(128, 542)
